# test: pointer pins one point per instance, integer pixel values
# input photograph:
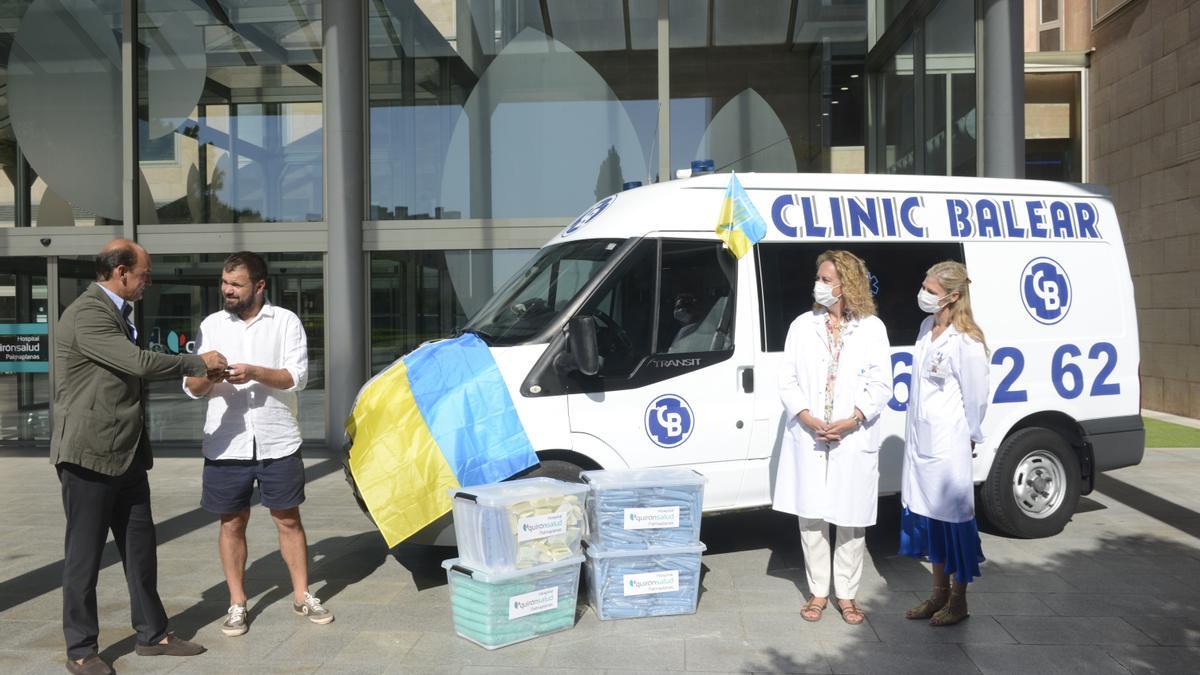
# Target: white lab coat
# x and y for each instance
(946, 403)
(837, 483)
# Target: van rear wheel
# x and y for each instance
(1033, 487)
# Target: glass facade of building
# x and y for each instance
(926, 88)
(230, 111)
(489, 124)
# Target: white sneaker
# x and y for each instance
(313, 609)
(235, 620)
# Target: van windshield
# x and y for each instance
(525, 306)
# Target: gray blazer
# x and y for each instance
(98, 375)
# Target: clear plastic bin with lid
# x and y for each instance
(661, 581)
(496, 609)
(638, 509)
(519, 524)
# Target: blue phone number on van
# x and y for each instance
(1065, 374)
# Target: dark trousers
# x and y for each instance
(95, 503)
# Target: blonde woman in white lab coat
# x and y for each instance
(946, 404)
(835, 379)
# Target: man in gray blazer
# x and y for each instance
(101, 453)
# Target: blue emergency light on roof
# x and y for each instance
(629, 185)
(702, 166)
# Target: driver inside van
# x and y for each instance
(688, 339)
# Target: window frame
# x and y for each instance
(1044, 26)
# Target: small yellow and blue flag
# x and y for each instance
(739, 225)
(438, 419)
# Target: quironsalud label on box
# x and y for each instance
(540, 527)
(651, 582)
(532, 603)
(651, 518)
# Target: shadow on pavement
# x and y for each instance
(423, 562)
(1162, 510)
(1138, 592)
(339, 562)
(778, 662)
(779, 533)
(47, 578)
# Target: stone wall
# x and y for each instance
(1144, 144)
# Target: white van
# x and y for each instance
(688, 341)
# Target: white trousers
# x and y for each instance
(847, 558)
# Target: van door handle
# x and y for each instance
(747, 379)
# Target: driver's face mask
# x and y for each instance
(683, 316)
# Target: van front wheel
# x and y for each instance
(558, 469)
(1033, 486)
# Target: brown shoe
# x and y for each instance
(811, 611)
(174, 646)
(941, 595)
(92, 665)
(851, 613)
(954, 612)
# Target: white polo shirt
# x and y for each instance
(240, 414)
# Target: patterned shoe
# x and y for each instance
(235, 621)
(313, 609)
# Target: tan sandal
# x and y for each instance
(954, 611)
(851, 613)
(930, 607)
(811, 611)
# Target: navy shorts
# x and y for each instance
(229, 484)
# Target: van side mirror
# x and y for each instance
(581, 340)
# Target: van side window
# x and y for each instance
(624, 313)
(695, 298)
(786, 272)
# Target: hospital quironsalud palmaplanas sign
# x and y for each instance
(24, 348)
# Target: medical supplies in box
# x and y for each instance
(496, 609)
(632, 584)
(635, 509)
(518, 524)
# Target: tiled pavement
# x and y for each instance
(1117, 592)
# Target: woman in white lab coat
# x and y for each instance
(835, 379)
(947, 400)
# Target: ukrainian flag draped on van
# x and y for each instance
(438, 419)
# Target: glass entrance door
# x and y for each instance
(24, 351)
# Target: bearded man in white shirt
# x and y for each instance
(251, 432)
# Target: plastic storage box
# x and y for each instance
(633, 509)
(633, 584)
(518, 524)
(496, 609)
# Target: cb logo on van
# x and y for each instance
(669, 421)
(587, 216)
(1046, 291)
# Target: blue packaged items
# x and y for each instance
(519, 524)
(637, 509)
(634, 584)
(496, 609)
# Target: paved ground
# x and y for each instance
(1117, 592)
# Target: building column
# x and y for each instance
(344, 64)
(1003, 77)
(130, 169)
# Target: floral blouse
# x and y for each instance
(835, 352)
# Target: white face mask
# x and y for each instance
(823, 293)
(928, 302)
(683, 316)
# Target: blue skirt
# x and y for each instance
(955, 545)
